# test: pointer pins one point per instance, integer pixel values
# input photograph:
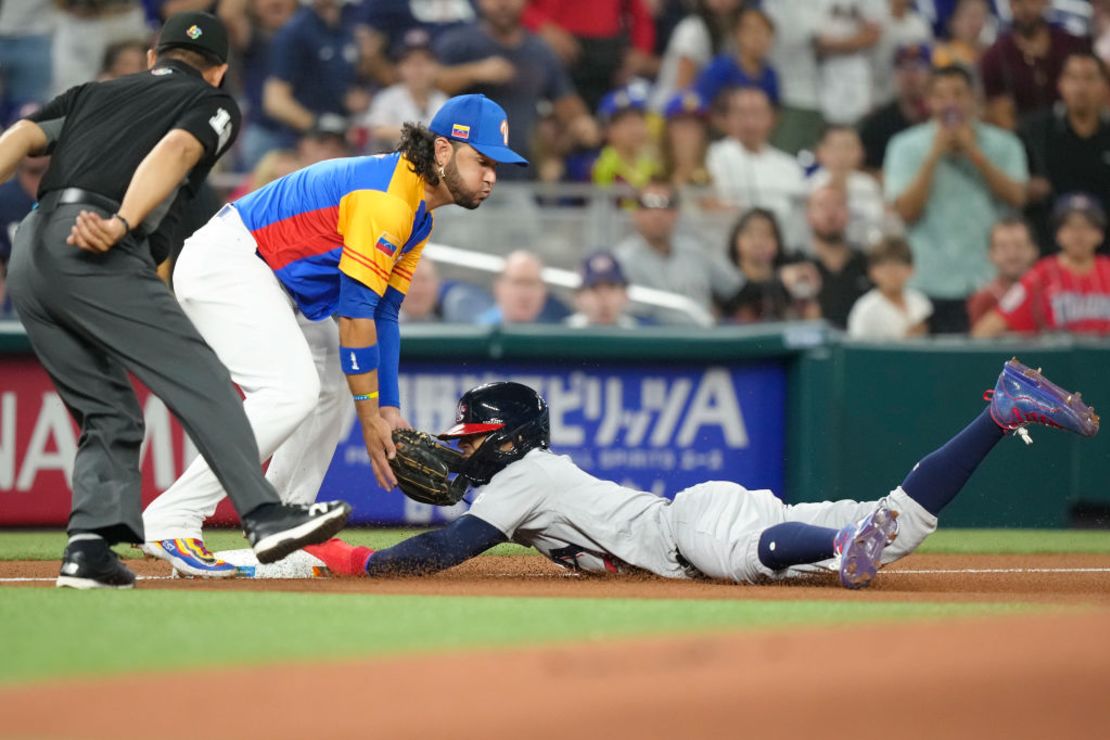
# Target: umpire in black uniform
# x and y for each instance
(126, 153)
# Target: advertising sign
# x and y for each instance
(659, 429)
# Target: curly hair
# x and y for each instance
(418, 145)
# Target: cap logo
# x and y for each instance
(461, 414)
(460, 131)
(505, 130)
(194, 32)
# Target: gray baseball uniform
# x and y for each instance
(581, 522)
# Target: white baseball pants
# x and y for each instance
(717, 526)
(287, 367)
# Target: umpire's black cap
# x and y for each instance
(201, 32)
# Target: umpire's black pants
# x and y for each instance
(91, 318)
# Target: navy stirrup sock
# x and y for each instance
(795, 543)
(939, 476)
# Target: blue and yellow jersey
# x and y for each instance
(364, 217)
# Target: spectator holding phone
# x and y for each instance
(950, 180)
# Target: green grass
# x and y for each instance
(51, 633)
(1016, 541)
(162, 630)
(48, 545)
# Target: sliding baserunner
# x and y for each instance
(529, 495)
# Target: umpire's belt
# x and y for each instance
(73, 196)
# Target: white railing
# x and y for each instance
(560, 278)
(563, 222)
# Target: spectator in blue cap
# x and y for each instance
(686, 139)
(602, 296)
(629, 154)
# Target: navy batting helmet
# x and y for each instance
(507, 412)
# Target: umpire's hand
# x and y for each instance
(94, 233)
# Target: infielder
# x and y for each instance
(528, 495)
(264, 278)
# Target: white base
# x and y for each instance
(298, 564)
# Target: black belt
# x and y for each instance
(73, 196)
(78, 196)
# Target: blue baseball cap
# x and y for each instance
(1082, 203)
(414, 40)
(601, 268)
(480, 122)
(921, 54)
(630, 98)
(686, 103)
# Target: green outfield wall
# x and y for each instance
(862, 414)
(858, 415)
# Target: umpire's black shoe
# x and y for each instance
(275, 530)
(92, 564)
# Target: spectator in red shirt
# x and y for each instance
(1020, 70)
(604, 43)
(1069, 291)
(1013, 252)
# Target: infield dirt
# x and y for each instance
(1051, 578)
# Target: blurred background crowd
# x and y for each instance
(895, 167)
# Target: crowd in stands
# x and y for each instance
(896, 167)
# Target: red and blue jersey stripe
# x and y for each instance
(361, 216)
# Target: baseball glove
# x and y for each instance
(423, 468)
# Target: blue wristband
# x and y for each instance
(359, 360)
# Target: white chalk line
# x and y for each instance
(291, 578)
(976, 571)
(899, 571)
(51, 580)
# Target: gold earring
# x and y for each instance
(442, 174)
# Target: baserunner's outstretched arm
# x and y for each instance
(430, 552)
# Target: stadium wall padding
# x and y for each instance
(854, 416)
